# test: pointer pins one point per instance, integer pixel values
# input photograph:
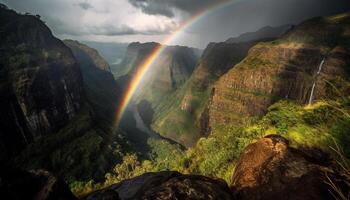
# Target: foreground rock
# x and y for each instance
(271, 169)
(36, 185)
(166, 185)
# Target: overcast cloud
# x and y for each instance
(168, 7)
(155, 20)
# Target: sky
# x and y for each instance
(155, 20)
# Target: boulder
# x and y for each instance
(167, 185)
(271, 169)
(37, 185)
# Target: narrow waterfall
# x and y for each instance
(315, 79)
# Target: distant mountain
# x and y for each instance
(136, 52)
(113, 53)
(174, 66)
(267, 32)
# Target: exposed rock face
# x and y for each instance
(112, 52)
(173, 67)
(286, 69)
(167, 186)
(189, 115)
(40, 82)
(101, 88)
(135, 54)
(82, 149)
(36, 185)
(167, 73)
(270, 169)
(175, 60)
(87, 55)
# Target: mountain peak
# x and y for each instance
(267, 32)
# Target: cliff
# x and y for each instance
(311, 58)
(181, 121)
(166, 75)
(40, 82)
(86, 55)
(57, 104)
(99, 83)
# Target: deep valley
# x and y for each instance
(261, 115)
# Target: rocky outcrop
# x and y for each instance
(167, 186)
(36, 185)
(271, 169)
(286, 69)
(40, 82)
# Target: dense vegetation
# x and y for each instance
(318, 126)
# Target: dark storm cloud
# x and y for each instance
(109, 30)
(85, 5)
(167, 7)
(126, 19)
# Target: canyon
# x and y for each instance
(261, 116)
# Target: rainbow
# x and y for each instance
(145, 65)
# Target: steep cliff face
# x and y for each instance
(166, 75)
(169, 72)
(56, 107)
(187, 118)
(40, 82)
(88, 57)
(312, 58)
(136, 52)
(99, 83)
